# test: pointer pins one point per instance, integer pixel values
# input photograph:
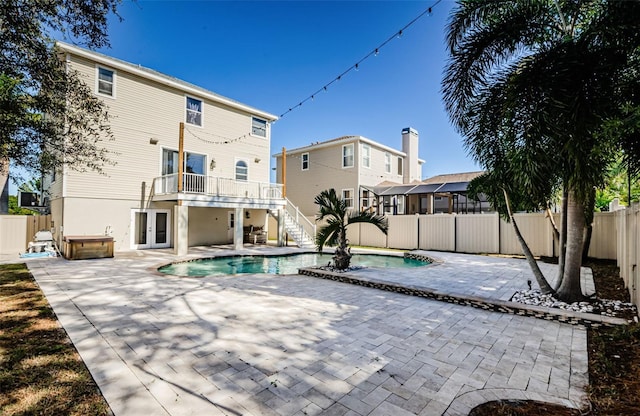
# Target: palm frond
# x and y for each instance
(370, 218)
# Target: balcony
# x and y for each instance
(202, 190)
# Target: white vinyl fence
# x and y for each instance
(480, 233)
(17, 230)
(627, 224)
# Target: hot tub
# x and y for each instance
(88, 247)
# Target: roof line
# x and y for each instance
(161, 78)
(340, 140)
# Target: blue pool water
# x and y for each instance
(284, 264)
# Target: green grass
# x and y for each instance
(41, 373)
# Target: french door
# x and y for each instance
(231, 225)
(150, 228)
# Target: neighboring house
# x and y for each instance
(439, 194)
(352, 165)
(141, 201)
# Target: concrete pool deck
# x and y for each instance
(295, 345)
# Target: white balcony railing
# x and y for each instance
(215, 186)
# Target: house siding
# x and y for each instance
(137, 117)
(326, 171)
(377, 173)
(91, 203)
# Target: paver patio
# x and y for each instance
(296, 345)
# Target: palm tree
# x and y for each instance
(501, 193)
(338, 216)
(541, 78)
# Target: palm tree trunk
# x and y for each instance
(342, 255)
(570, 289)
(542, 281)
(562, 245)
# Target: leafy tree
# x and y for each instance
(338, 216)
(48, 116)
(14, 209)
(617, 186)
(542, 78)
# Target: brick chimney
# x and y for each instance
(411, 169)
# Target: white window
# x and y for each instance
(400, 205)
(169, 161)
(305, 161)
(258, 127)
(388, 204)
(400, 160)
(387, 162)
(194, 111)
(365, 198)
(193, 162)
(105, 82)
(347, 195)
(193, 169)
(242, 170)
(347, 156)
(366, 156)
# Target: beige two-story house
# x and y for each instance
(353, 166)
(191, 166)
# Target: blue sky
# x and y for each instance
(273, 54)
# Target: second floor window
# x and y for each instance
(193, 162)
(258, 127)
(400, 160)
(194, 111)
(387, 162)
(366, 155)
(347, 156)
(305, 161)
(105, 81)
(242, 171)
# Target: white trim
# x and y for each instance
(390, 168)
(302, 161)
(184, 161)
(362, 198)
(362, 147)
(235, 164)
(353, 199)
(151, 224)
(97, 82)
(336, 142)
(266, 128)
(186, 98)
(178, 84)
(353, 156)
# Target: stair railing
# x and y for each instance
(306, 227)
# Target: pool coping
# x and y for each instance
(155, 269)
(588, 320)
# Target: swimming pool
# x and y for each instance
(281, 264)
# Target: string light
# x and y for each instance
(356, 66)
(224, 140)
